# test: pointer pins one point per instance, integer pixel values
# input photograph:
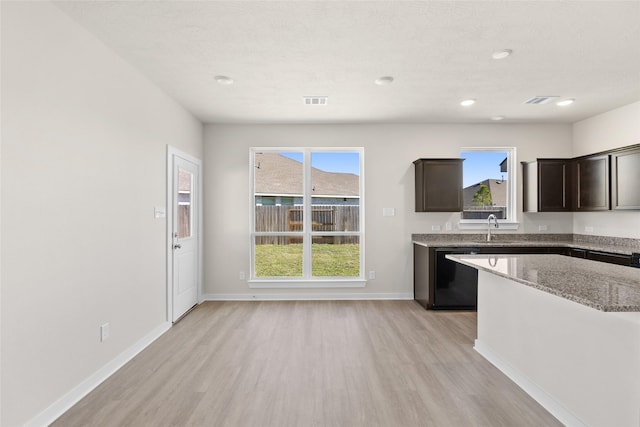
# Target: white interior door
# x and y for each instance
(185, 234)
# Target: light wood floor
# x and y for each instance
(321, 363)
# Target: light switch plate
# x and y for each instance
(388, 211)
(160, 212)
(104, 332)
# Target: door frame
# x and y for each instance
(171, 152)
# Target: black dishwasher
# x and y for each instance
(456, 285)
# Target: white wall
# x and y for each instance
(613, 129)
(389, 182)
(83, 164)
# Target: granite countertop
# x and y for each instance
(605, 287)
(617, 245)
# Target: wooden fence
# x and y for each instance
(482, 212)
(328, 218)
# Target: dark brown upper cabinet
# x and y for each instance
(547, 185)
(438, 185)
(592, 183)
(625, 178)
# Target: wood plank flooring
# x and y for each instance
(311, 363)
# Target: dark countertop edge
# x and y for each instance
(552, 291)
(623, 250)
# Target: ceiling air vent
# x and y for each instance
(539, 100)
(315, 100)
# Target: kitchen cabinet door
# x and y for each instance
(625, 179)
(578, 253)
(421, 273)
(592, 183)
(547, 185)
(438, 185)
(609, 257)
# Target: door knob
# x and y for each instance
(177, 246)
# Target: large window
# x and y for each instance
(307, 223)
(489, 187)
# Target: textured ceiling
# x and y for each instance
(439, 53)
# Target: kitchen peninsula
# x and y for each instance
(566, 330)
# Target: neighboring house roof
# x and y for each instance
(279, 175)
(497, 188)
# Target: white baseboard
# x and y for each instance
(305, 297)
(63, 404)
(532, 389)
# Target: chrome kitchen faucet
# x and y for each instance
(495, 220)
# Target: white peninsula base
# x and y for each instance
(581, 364)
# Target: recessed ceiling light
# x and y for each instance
(501, 54)
(383, 81)
(224, 80)
(497, 118)
(468, 102)
(565, 102)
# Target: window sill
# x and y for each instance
(482, 225)
(312, 283)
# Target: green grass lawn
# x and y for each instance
(328, 260)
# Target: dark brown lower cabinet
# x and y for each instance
(610, 258)
(421, 275)
(577, 253)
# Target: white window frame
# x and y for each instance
(306, 280)
(511, 223)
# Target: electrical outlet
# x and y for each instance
(372, 275)
(435, 228)
(241, 275)
(104, 332)
(542, 227)
(588, 229)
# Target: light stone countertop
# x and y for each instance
(623, 246)
(605, 287)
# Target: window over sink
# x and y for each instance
(488, 185)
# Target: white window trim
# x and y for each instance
(511, 223)
(306, 281)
